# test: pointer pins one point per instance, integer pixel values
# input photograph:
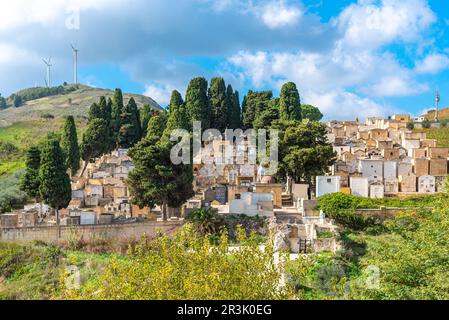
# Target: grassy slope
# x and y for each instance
(27, 133)
(441, 134)
(75, 103)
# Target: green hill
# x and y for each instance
(30, 123)
(74, 103)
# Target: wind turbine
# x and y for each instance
(75, 61)
(48, 64)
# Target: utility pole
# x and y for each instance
(437, 101)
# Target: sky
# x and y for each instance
(349, 58)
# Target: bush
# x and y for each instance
(426, 124)
(10, 194)
(410, 126)
(47, 116)
(7, 150)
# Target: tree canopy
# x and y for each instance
(130, 131)
(197, 103)
(29, 182)
(54, 186)
(69, 144)
(310, 112)
(289, 102)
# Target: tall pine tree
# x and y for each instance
(177, 118)
(69, 144)
(54, 186)
(234, 116)
(197, 103)
(253, 104)
(289, 103)
(130, 130)
(219, 104)
(117, 109)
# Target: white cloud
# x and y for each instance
(433, 63)
(394, 86)
(19, 13)
(277, 14)
(367, 25)
(160, 93)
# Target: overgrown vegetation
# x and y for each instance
(341, 207)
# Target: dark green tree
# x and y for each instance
(146, 112)
(69, 145)
(253, 104)
(177, 118)
(304, 151)
(17, 100)
(197, 103)
(290, 103)
(95, 141)
(95, 111)
(29, 181)
(156, 126)
(234, 113)
(310, 112)
(117, 109)
(155, 180)
(220, 105)
(130, 130)
(54, 186)
(265, 118)
(3, 104)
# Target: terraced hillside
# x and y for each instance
(74, 103)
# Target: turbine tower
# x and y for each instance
(437, 101)
(75, 63)
(48, 64)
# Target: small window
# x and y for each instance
(329, 180)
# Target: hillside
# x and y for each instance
(74, 103)
(442, 114)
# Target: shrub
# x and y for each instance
(410, 126)
(47, 116)
(426, 124)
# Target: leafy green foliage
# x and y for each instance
(410, 125)
(69, 145)
(116, 112)
(197, 104)
(3, 104)
(219, 103)
(188, 267)
(265, 119)
(426, 124)
(234, 112)
(310, 112)
(254, 103)
(177, 118)
(10, 194)
(155, 180)
(130, 131)
(54, 186)
(304, 149)
(289, 102)
(30, 181)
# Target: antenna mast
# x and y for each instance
(437, 101)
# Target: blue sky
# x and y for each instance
(349, 58)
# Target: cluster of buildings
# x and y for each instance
(381, 157)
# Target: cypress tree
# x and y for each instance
(117, 109)
(95, 111)
(289, 103)
(29, 182)
(95, 141)
(177, 118)
(54, 186)
(219, 104)
(234, 118)
(156, 127)
(255, 103)
(130, 131)
(69, 144)
(146, 113)
(197, 103)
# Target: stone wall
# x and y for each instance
(54, 233)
